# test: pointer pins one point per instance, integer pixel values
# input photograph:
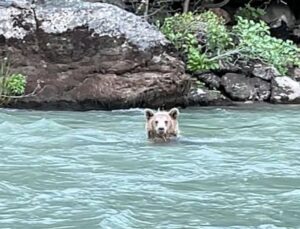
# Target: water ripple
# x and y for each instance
(230, 168)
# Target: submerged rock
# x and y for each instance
(85, 55)
(285, 90)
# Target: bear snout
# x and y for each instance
(161, 129)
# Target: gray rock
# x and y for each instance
(206, 97)
(229, 67)
(10, 16)
(119, 3)
(210, 79)
(296, 74)
(276, 12)
(102, 20)
(241, 88)
(285, 90)
(20, 4)
(265, 72)
(251, 67)
(83, 56)
(296, 32)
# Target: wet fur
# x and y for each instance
(171, 129)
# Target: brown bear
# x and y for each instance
(162, 124)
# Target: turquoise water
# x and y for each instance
(231, 168)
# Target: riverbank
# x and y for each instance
(96, 56)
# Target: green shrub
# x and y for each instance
(250, 13)
(205, 41)
(255, 42)
(11, 84)
(181, 30)
(15, 84)
(185, 29)
(198, 61)
(218, 38)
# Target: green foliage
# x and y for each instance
(218, 37)
(10, 84)
(181, 29)
(256, 43)
(15, 84)
(205, 41)
(250, 13)
(198, 61)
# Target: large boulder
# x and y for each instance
(242, 88)
(85, 55)
(285, 90)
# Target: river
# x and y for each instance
(231, 168)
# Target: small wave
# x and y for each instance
(10, 127)
(294, 194)
(46, 124)
(123, 219)
(98, 169)
(139, 110)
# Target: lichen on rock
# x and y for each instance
(285, 90)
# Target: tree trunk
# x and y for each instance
(186, 6)
(146, 9)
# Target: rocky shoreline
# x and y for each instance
(88, 56)
(238, 88)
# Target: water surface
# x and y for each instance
(231, 168)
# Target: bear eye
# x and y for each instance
(156, 122)
(166, 122)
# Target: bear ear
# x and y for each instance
(149, 113)
(174, 113)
